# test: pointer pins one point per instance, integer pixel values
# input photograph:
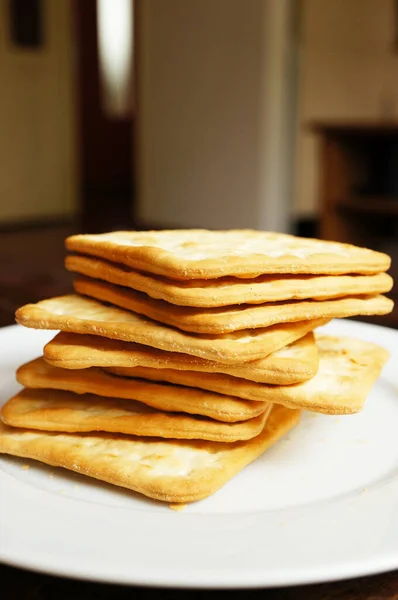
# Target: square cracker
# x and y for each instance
(227, 291)
(77, 314)
(170, 398)
(294, 363)
(215, 321)
(167, 470)
(348, 369)
(202, 254)
(55, 410)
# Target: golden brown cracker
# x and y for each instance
(294, 363)
(348, 369)
(203, 254)
(77, 314)
(167, 470)
(170, 398)
(55, 410)
(215, 321)
(227, 291)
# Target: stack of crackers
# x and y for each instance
(184, 355)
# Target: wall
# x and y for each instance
(349, 71)
(212, 84)
(37, 121)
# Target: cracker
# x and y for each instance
(171, 471)
(227, 291)
(55, 410)
(202, 254)
(348, 369)
(77, 314)
(215, 321)
(170, 398)
(294, 363)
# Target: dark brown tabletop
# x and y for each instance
(17, 584)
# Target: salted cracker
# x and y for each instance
(203, 254)
(227, 291)
(77, 314)
(294, 363)
(216, 321)
(170, 398)
(55, 410)
(167, 470)
(348, 369)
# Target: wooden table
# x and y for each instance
(23, 585)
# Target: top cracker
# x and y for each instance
(203, 254)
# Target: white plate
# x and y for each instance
(319, 506)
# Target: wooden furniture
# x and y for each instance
(359, 189)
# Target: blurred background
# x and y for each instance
(119, 114)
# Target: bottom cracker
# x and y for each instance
(171, 471)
